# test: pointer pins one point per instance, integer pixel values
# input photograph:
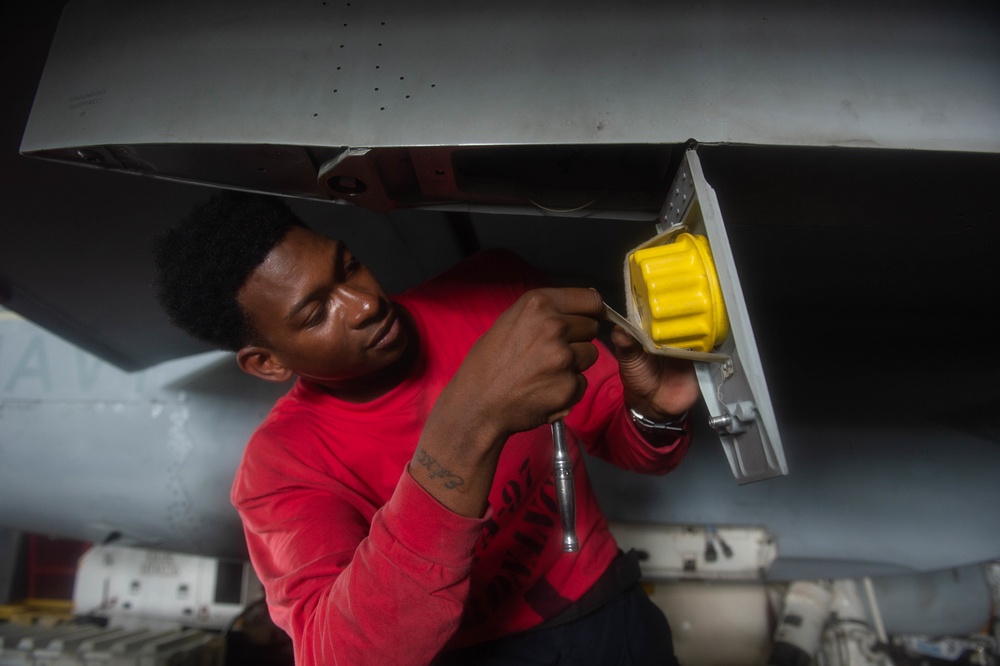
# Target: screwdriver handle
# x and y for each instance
(562, 467)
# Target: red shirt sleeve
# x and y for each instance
(344, 592)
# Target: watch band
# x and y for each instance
(647, 425)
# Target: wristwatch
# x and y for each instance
(648, 426)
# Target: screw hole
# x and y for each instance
(347, 185)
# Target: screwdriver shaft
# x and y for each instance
(562, 466)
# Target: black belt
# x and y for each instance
(621, 574)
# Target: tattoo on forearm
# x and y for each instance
(438, 471)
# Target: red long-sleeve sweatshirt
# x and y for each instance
(361, 565)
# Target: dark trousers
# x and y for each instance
(629, 630)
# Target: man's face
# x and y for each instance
(322, 314)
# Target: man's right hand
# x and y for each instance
(524, 372)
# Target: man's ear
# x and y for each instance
(261, 362)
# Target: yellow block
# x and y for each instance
(678, 295)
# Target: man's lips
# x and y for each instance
(386, 333)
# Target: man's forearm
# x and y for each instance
(456, 466)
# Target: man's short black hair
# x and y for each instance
(204, 261)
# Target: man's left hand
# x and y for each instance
(659, 387)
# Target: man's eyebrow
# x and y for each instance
(339, 250)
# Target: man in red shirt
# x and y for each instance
(398, 502)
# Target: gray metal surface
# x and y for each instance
(258, 94)
(446, 73)
(860, 500)
(101, 455)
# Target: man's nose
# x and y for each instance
(359, 306)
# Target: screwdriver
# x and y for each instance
(562, 469)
